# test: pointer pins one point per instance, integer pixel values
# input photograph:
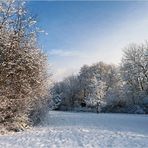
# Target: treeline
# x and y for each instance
(108, 88)
(24, 80)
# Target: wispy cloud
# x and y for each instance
(61, 52)
(67, 53)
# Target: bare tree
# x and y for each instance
(134, 71)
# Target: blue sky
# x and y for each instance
(86, 32)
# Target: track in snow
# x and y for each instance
(76, 130)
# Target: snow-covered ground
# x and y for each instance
(76, 130)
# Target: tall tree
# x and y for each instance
(134, 71)
(23, 66)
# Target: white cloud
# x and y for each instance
(67, 53)
(59, 52)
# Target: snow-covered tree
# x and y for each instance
(67, 91)
(134, 72)
(23, 66)
(107, 85)
(96, 81)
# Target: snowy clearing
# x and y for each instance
(74, 130)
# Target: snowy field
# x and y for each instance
(76, 130)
